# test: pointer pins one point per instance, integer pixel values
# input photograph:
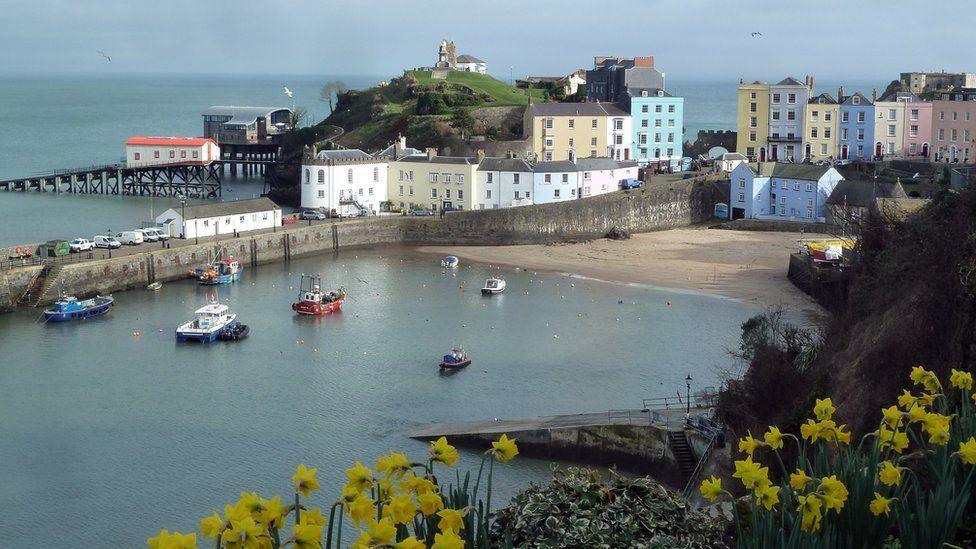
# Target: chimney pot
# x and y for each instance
(874, 95)
(840, 94)
(431, 153)
(481, 155)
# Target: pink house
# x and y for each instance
(918, 129)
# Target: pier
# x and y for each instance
(189, 180)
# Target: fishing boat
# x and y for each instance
(450, 262)
(235, 331)
(70, 307)
(154, 286)
(493, 285)
(457, 359)
(207, 324)
(221, 271)
(313, 301)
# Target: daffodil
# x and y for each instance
(451, 520)
(244, 533)
(889, 475)
(767, 495)
(410, 543)
(176, 540)
(381, 531)
(442, 452)
(916, 414)
(907, 400)
(967, 451)
(917, 375)
(880, 505)
(773, 438)
(417, 485)
(800, 479)
(711, 488)
(748, 445)
(272, 512)
(361, 508)
(834, 493)
(393, 465)
(251, 503)
(810, 430)
(750, 473)
(306, 536)
(313, 517)
(430, 503)
(926, 378)
(401, 509)
(360, 477)
(504, 449)
(937, 427)
(892, 439)
(823, 409)
(305, 481)
(447, 540)
(810, 508)
(211, 526)
(961, 380)
(349, 492)
(841, 436)
(893, 416)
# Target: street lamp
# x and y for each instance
(688, 395)
(183, 217)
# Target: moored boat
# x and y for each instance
(154, 286)
(70, 307)
(494, 285)
(207, 324)
(450, 262)
(221, 271)
(457, 359)
(313, 301)
(235, 331)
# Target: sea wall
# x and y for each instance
(641, 210)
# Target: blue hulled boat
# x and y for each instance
(450, 262)
(222, 271)
(70, 307)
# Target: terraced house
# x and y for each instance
(657, 119)
(781, 191)
(820, 118)
(855, 139)
(566, 131)
(344, 182)
(508, 182)
(954, 127)
(753, 123)
(433, 182)
(902, 127)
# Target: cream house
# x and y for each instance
(433, 182)
(566, 131)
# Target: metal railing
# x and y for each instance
(629, 417)
(701, 399)
(700, 466)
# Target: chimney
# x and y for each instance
(644, 62)
(812, 85)
(874, 95)
(480, 155)
(510, 154)
(403, 141)
(840, 94)
(431, 153)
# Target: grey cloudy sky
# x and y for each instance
(708, 38)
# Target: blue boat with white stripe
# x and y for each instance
(70, 307)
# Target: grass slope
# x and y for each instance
(503, 95)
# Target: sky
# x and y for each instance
(710, 39)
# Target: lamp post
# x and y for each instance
(183, 217)
(688, 394)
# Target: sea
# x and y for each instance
(111, 431)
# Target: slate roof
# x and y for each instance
(389, 151)
(849, 99)
(651, 92)
(243, 115)
(522, 165)
(235, 207)
(554, 166)
(789, 81)
(576, 109)
(342, 154)
(807, 172)
(465, 58)
(504, 165)
(827, 99)
(603, 163)
(864, 193)
(463, 160)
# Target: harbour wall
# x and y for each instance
(642, 210)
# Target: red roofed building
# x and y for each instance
(160, 151)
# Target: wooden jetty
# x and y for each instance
(192, 180)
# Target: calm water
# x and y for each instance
(118, 435)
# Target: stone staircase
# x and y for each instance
(43, 282)
(683, 454)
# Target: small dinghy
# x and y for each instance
(456, 360)
(235, 331)
(154, 286)
(493, 285)
(70, 307)
(450, 262)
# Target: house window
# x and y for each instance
(941, 115)
(349, 175)
(753, 122)
(791, 98)
(955, 116)
(593, 123)
(892, 114)
(360, 191)
(515, 179)
(490, 177)
(411, 190)
(855, 100)
(823, 149)
(321, 177)
(809, 187)
(155, 154)
(644, 108)
(517, 195)
(487, 193)
(550, 142)
(742, 197)
(657, 138)
(555, 193)
(182, 154)
(618, 140)
(828, 116)
(891, 130)
(815, 116)
(586, 176)
(913, 130)
(572, 123)
(941, 134)
(138, 156)
(791, 114)
(547, 123)
(670, 138)
(172, 154)
(401, 190)
(809, 212)
(565, 178)
(433, 193)
(593, 142)
(657, 109)
(796, 185)
(776, 98)
(955, 133)
(860, 134)
(670, 109)
(845, 117)
(752, 136)
(321, 194)
(670, 122)
(376, 174)
(432, 177)
(446, 177)
(548, 177)
(447, 193)
(914, 114)
(571, 140)
(644, 123)
(775, 115)
(891, 147)
(370, 191)
(813, 133)
(826, 133)
(750, 151)
(742, 183)
(618, 124)
(670, 151)
(843, 134)
(912, 148)
(810, 202)
(752, 95)
(752, 107)
(642, 138)
(460, 178)
(547, 156)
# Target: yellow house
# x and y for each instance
(433, 182)
(753, 123)
(822, 117)
(566, 131)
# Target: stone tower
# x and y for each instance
(447, 55)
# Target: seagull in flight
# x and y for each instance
(105, 55)
(288, 92)
(756, 34)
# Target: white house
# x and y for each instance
(344, 182)
(158, 151)
(470, 63)
(729, 161)
(603, 175)
(508, 182)
(619, 137)
(777, 191)
(503, 183)
(220, 218)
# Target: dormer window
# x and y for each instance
(855, 100)
(660, 93)
(643, 93)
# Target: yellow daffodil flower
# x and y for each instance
(442, 452)
(272, 512)
(417, 485)
(967, 451)
(251, 503)
(349, 492)
(451, 520)
(773, 438)
(961, 380)
(750, 473)
(401, 509)
(894, 440)
(244, 533)
(834, 493)
(381, 531)
(410, 543)
(305, 481)
(916, 414)
(893, 416)
(312, 517)
(889, 475)
(917, 375)
(841, 436)
(306, 536)
(823, 409)
(880, 505)
(393, 465)
(211, 526)
(447, 540)
(176, 540)
(711, 488)
(907, 400)
(800, 479)
(430, 503)
(767, 496)
(937, 427)
(360, 477)
(361, 508)
(748, 445)
(810, 430)
(810, 508)
(504, 449)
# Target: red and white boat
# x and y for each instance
(313, 301)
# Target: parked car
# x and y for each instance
(313, 214)
(421, 212)
(106, 241)
(148, 235)
(132, 238)
(631, 184)
(81, 245)
(160, 234)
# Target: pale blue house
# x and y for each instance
(779, 191)
(657, 121)
(855, 135)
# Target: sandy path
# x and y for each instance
(746, 265)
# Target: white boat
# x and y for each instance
(154, 286)
(209, 322)
(493, 285)
(450, 262)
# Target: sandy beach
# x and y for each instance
(747, 265)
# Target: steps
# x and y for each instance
(683, 454)
(39, 286)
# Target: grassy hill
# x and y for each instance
(501, 94)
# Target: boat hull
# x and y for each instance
(99, 308)
(218, 279)
(312, 308)
(197, 337)
(492, 291)
(455, 365)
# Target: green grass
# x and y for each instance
(502, 94)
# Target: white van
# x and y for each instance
(156, 232)
(103, 241)
(132, 238)
(148, 235)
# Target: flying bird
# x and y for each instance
(105, 55)
(756, 34)
(288, 92)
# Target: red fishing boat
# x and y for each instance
(313, 301)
